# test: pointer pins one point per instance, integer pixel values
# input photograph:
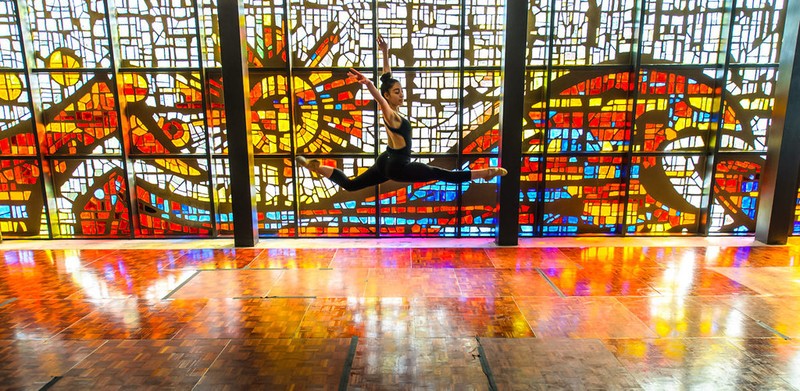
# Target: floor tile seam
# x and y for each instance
(211, 364)
(527, 322)
(105, 341)
(635, 316)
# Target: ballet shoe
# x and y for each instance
(310, 164)
(496, 171)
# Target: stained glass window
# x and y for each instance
(11, 55)
(16, 129)
(682, 31)
(665, 194)
(675, 110)
(593, 32)
(608, 117)
(529, 196)
(582, 195)
(274, 197)
(748, 109)
(80, 113)
(91, 198)
(158, 33)
(69, 34)
(481, 112)
(332, 33)
(327, 210)
(589, 112)
(479, 202)
(21, 200)
(757, 27)
(424, 34)
(535, 120)
(164, 112)
(539, 25)
(736, 191)
(173, 197)
(484, 30)
(331, 115)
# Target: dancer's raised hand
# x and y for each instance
(358, 76)
(382, 44)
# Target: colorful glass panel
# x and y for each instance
(69, 34)
(675, 110)
(431, 106)
(484, 30)
(593, 32)
(589, 111)
(331, 114)
(665, 194)
(757, 31)
(538, 50)
(423, 34)
(481, 112)
(157, 33)
(91, 198)
(215, 111)
(11, 56)
(479, 202)
(164, 112)
(582, 194)
(530, 178)
(80, 113)
(209, 33)
(796, 230)
(17, 136)
(748, 109)
(420, 209)
(682, 31)
(536, 117)
(266, 33)
(173, 197)
(329, 211)
(21, 200)
(735, 194)
(274, 197)
(332, 33)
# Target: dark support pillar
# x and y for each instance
(511, 114)
(778, 185)
(236, 84)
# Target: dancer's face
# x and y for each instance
(395, 95)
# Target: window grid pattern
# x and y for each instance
(607, 149)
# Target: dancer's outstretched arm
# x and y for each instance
(384, 47)
(386, 110)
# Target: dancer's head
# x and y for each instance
(391, 90)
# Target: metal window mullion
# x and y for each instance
(122, 127)
(712, 147)
(542, 185)
(35, 107)
(460, 111)
(208, 155)
(290, 97)
(376, 127)
(636, 69)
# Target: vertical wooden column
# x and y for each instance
(511, 112)
(779, 178)
(237, 110)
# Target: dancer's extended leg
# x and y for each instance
(371, 177)
(419, 172)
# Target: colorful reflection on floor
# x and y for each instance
(383, 317)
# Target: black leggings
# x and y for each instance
(397, 167)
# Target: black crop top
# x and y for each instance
(405, 131)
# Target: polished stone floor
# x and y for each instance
(575, 314)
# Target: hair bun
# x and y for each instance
(386, 77)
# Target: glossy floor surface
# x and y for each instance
(596, 314)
